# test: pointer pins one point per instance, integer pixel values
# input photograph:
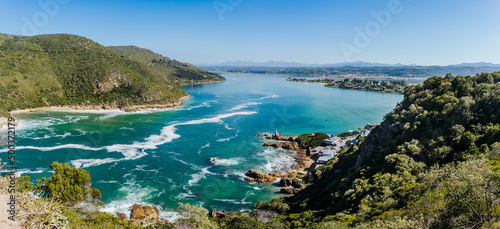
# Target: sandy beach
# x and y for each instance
(3, 122)
(100, 108)
(135, 108)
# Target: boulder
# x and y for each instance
(136, 212)
(260, 135)
(249, 179)
(121, 216)
(143, 215)
(296, 182)
(218, 214)
(260, 177)
(290, 190)
(151, 212)
(285, 182)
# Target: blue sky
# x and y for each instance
(423, 32)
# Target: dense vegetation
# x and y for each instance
(63, 69)
(433, 163)
(177, 72)
(312, 140)
(69, 184)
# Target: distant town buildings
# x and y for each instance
(332, 145)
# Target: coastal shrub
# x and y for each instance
(70, 184)
(24, 184)
(196, 216)
(312, 140)
(277, 205)
(244, 222)
(36, 212)
(95, 219)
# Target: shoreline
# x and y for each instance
(95, 108)
(304, 162)
(90, 108)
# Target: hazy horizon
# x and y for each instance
(205, 32)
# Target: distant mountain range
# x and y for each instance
(283, 64)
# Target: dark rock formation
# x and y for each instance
(285, 182)
(290, 190)
(260, 177)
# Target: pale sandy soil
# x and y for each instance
(100, 108)
(6, 223)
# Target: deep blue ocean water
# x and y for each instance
(163, 157)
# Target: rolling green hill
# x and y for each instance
(177, 72)
(63, 69)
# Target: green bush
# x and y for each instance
(70, 184)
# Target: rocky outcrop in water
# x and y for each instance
(259, 177)
(285, 182)
(143, 215)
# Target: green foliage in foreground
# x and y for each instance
(433, 163)
(98, 219)
(69, 184)
(177, 72)
(63, 69)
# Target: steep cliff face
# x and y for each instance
(63, 69)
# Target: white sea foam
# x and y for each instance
(198, 176)
(67, 146)
(244, 105)
(234, 201)
(20, 172)
(203, 147)
(135, 194)
(268, 96)
(142, 169)
(137, 149)
(106, 181)
(224, 162)
(46, 122)
(126, 128)
(204, 104)
(279, 160)
(185, 194)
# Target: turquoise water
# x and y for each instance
(161, 158)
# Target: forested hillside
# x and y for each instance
(63, 69)
(177, 72)
(433, 163)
